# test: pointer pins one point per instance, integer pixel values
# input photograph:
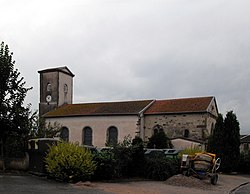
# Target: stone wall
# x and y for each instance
(16, 163)
(174, 125)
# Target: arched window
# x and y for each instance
(64, 134)
(87, 136)
(157, 129)
(49, 87)
(65, 88)
(186, 133)
(112, 135)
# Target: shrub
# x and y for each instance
(123, 159)
(136, 167)
(160, 168)
(105, 162)
(69, 162)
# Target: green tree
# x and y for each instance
(159, 140)
(14, 116)
(40, 128)
(216, 139)
(225, 141)
(231, 153)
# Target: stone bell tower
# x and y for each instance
(56, 88)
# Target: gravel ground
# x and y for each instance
(175, 185)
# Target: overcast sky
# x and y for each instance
(136, 49)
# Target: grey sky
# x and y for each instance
(136, 49)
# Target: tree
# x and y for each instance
(232, 143)
(225, 141)
(159, 140)
(14, 116)
(216, 139)
(40, 128)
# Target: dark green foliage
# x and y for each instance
(160, 168)
(122, 156)
(225, 141)
(127, 159)
(69, 162)
(15, 119)
(137, 141)
(215, 140)
(136, 167)
(231, 155)
(105, 163)
(159, 140)
(244, 163)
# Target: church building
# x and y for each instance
(186, 121)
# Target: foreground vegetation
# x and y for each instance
(70, 162)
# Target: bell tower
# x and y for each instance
(56, 88)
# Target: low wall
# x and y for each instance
(16, 163)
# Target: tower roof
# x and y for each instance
(63, 69)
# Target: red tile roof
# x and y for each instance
(184, 105)
(103, 108)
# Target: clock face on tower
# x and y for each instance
(48, 98)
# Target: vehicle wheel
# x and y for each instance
(214, 179)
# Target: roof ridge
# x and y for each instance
(185, 98)
(111, 102)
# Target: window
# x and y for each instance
(186, 133)
(65, 88)
(157, 129)
(49, 87)
(64, 134)
(87, 136)
(112, 135)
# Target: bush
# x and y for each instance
(127, 159)
(160, 168)
(105, 162)
(69, 162)
(123, 159)
(136, 167)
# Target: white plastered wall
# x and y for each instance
(126, 125)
